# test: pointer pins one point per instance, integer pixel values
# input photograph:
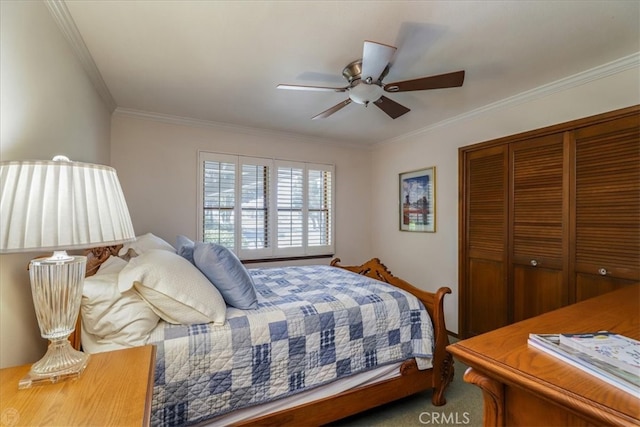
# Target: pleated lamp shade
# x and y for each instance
(61, 205)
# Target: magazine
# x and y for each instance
(612, 348)
(623, 380)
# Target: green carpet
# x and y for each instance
(463, 408)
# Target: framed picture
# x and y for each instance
(418, 200)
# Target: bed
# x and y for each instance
(307, 313)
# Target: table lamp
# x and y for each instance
(59, 205)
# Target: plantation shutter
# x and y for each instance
(266, 208)
(219, 201)
(254, 212)
(290, 206)
(320, 199)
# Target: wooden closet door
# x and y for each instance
(539, 226)
(606, 225)
(485, 296)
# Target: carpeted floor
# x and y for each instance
(463, 408)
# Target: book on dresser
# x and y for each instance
(608, 372)
(615, 349)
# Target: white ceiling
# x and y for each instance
(220, 61)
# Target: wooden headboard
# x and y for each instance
(97, 256)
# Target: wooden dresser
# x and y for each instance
(115, 389)
(523, 386)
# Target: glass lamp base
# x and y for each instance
(56, 286)
(61, 362)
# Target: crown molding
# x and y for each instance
(65, 22)
(623, 64)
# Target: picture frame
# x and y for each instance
(418, 200)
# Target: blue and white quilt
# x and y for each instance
(313, 325)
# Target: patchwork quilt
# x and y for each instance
(313, 325)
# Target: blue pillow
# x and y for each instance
(223, 268)
(184, 248)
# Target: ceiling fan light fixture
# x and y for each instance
(365, 78)
(364, 93)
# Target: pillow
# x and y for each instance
(113, 264)
(184, 247)
(92, 344)
(145, 243)
(114, 317)
(174, 288)
(223, 268)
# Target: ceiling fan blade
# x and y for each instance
(392, 108)
(332, 110)
(433, 82)
(375, 58)
(313, 88)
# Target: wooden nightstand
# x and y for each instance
(114, 390)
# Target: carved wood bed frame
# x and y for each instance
(354, 401)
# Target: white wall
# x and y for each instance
(430, 260)
(158, 169)
(48, 106)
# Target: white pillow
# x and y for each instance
(114, 317)
(113, 264)
(94, 344)
(145, 243)
(176, 290)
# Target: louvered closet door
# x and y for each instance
(539, 226)
(485, 300)
(607, 207)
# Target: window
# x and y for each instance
(262, 208)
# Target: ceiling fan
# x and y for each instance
(365, 82)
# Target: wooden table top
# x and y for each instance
(115, 389)
(504, 354)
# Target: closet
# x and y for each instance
(548, 218)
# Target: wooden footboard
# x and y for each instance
(434, 303)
